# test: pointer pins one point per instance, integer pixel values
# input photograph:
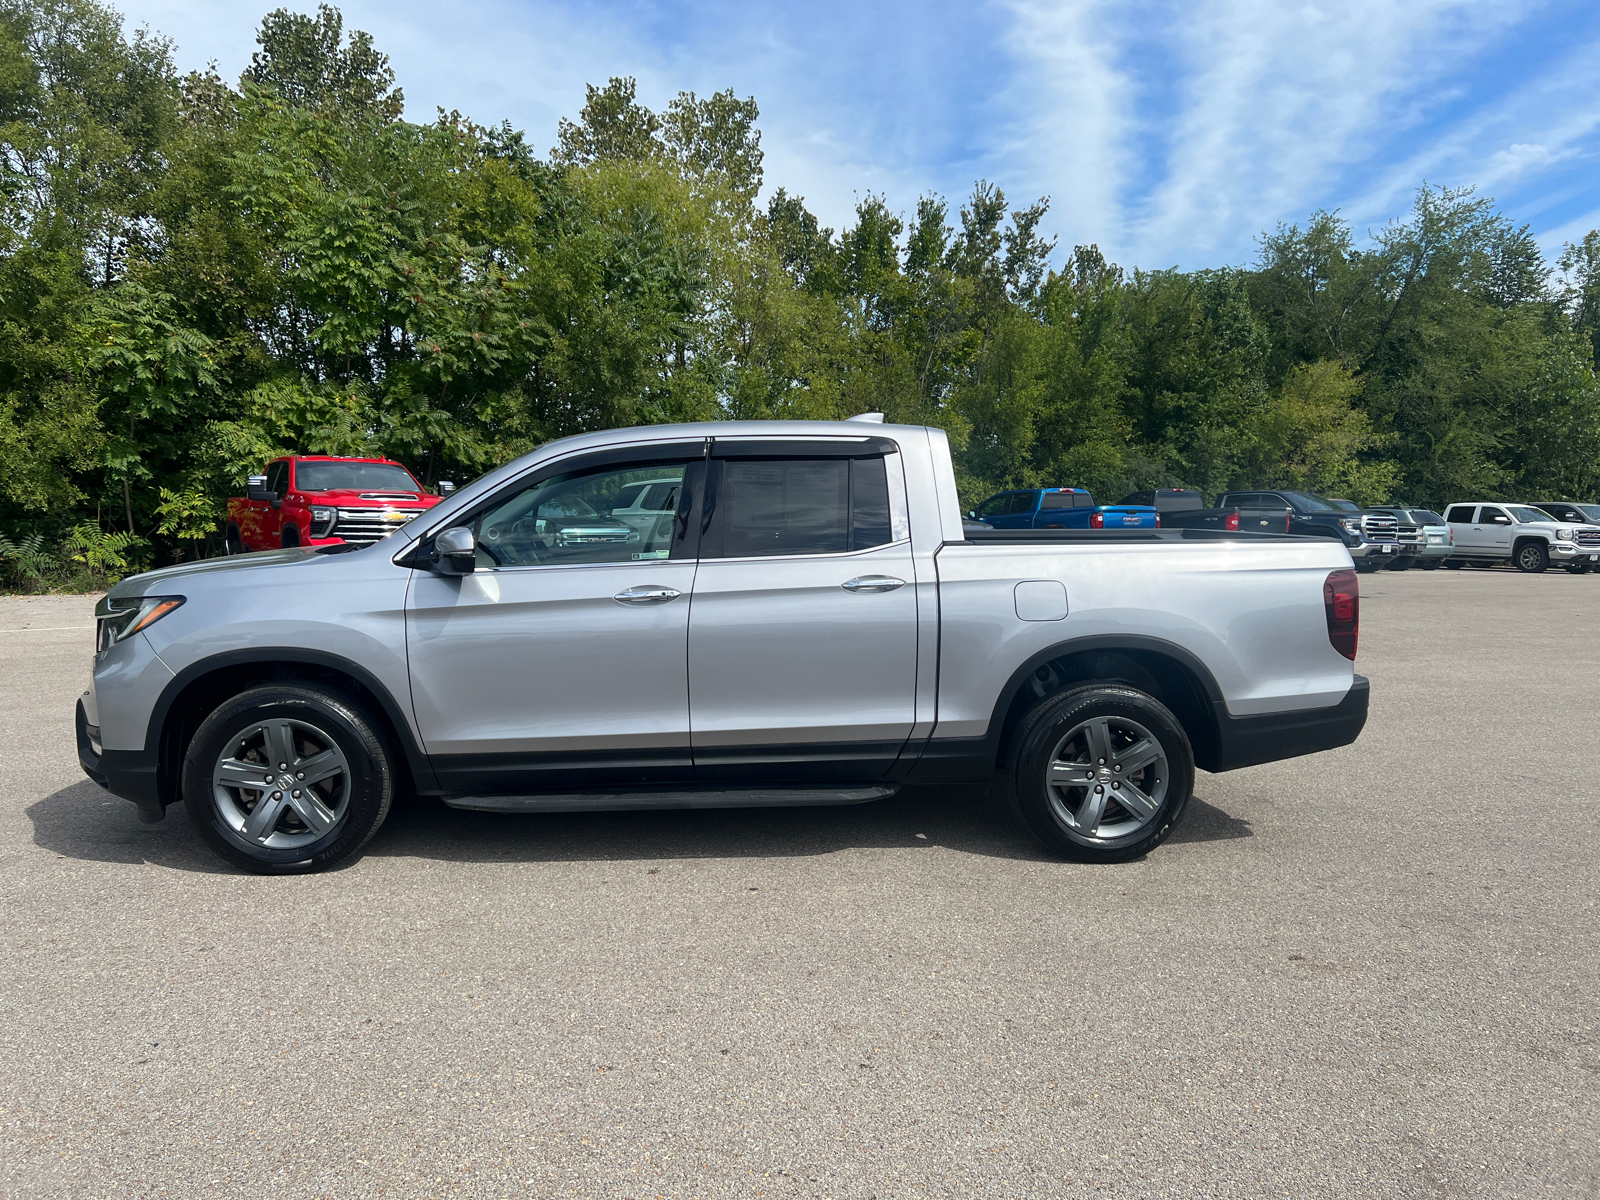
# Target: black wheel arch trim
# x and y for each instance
(944, 759)
(156, 733)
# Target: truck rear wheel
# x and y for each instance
(1101, 773)
(1532, 557)
(287, 778)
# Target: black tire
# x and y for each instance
(233, 541)
(1531, 557)
(1047, 812)
(1429, 564)
(1403, 563)
(1455, 564)
(1368, 565)
(315, 716)
(291, 536)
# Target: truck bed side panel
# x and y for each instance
(1252, 614)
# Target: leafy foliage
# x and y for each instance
(198, 275)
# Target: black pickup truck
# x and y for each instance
(1183, 508)
(1375, 539)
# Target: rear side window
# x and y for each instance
(769, 507)
(1459, 514)
(1065, 500)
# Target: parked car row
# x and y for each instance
(1531, 537)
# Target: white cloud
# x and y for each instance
(1282, 100)
(1072, 109)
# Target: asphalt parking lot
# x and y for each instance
(1367, 973)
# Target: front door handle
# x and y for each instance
(647, 594)
(872, 583)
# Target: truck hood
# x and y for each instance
(154, 582)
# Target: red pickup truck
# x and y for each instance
(319, 500)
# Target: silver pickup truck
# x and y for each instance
(809, 623)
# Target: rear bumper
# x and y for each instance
(1249, 741)
(130, 774)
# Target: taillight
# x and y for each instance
(1158, 520)
(1341, 598)
(1232, 523)
(1097, 520)
(1288, 519)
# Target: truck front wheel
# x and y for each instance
(287, 778)
(1101, 773)
(233, 541)
(1532, 557)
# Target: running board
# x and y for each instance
(723, 798)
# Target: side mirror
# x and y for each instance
(455, 552)
(256, 488)
(973, 514)
(446, 487)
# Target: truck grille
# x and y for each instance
(364, 526)
(1380, 529)
(1410, 535)
(1587, 537)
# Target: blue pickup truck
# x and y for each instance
(1061, 508)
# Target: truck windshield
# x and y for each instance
(1591, 512)
(1312, 502)
(1527, 516)
(353, 476)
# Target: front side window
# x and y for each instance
(772, 506)
(580, 517)
(278, 479)
(353, 477)
(995, 506)
(1493, 516)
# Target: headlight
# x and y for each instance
(1563, 535)
(1351, 524)
(119, 619)
(322, 521)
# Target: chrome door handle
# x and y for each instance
(647, 594)
(872, 583)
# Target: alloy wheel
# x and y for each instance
(281, 784)
(1108, 778)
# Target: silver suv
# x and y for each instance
(1527, 537)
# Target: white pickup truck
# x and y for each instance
(811, 625)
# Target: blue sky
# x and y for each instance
(1171, 132)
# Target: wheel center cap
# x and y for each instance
(286, 781)
(1105, 773)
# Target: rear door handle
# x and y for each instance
(872, 583)
(647, 594)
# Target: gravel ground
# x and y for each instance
(1367, 973)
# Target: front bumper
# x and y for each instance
(130, 774)
(1248, 741)
(1388, 551)
(1571, 553)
